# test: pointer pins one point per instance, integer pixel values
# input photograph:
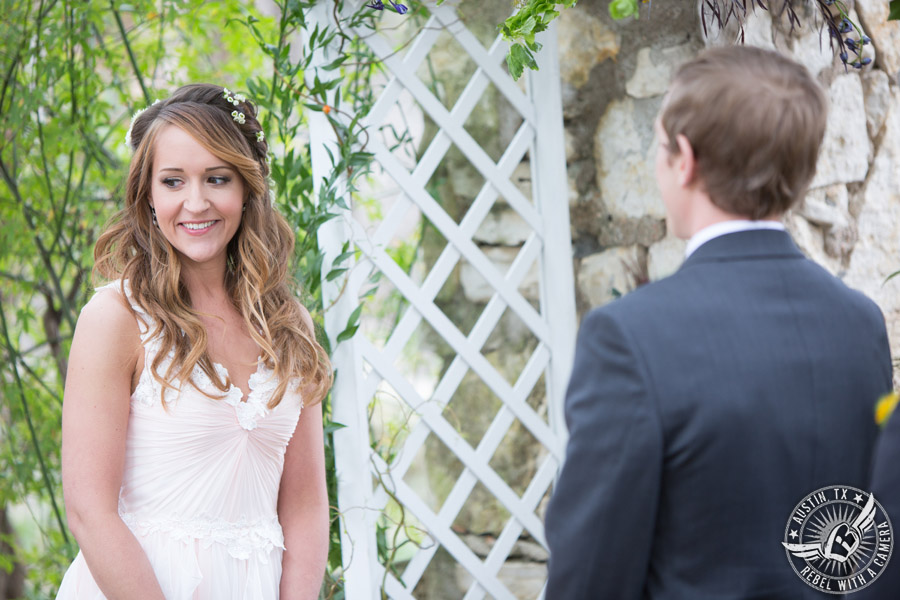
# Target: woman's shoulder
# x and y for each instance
(107, 317)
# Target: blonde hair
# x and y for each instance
(755, 121)
(132, 248)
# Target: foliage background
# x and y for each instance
(72, 76)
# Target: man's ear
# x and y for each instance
(687, 163)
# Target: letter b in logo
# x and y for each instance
(841, 543)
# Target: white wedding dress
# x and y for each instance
(200, 486)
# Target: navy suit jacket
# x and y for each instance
(701, 410)
(886, 488)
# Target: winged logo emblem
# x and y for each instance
(842, 541)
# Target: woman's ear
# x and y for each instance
(687, 162)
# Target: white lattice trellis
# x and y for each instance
(363, 366)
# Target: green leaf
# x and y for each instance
(528, 25)
(518, 58)
(622, 9)
(332, 427)
(335, 273)
(354, 316)
(335, 63)
(347, 334)
(895, 11)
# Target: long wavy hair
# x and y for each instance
(132, 249)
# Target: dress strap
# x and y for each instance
(146, 323)
(149, 391)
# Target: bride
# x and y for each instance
(189, 471)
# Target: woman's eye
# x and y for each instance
(219, 179)
(170, 182)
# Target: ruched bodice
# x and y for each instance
(200, 484)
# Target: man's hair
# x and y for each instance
(755, 121)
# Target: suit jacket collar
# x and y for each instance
(743, 245)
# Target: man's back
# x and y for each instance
(736, 387)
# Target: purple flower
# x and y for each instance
(401, 9)
(377, 5)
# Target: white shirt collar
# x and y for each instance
(725, 227)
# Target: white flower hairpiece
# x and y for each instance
(238, 116)
(233, 98)
(134, 118)
(260, 136)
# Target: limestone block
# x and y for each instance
(877, 253)
(809, 46)
(645, 231)
(655, 69)
(827, 206)
(503, 228)
(572, 150)
(846, 149)
(664, 257)
(584, 41)
(625, 154)
(607, 272)
(479, 291)
(757, 31)
(877, 90)
(885, 34)
(811, 240)
(524, 579)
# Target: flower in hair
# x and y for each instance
(134, 118)
(233, 98)
(238, 116)
(260, 136)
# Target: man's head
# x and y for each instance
(751, 122)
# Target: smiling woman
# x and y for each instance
(188, 470)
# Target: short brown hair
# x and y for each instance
(755, 121)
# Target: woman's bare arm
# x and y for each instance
(104, 355)
(303, 506)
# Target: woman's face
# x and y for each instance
(198, 198)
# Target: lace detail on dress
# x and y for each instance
(262, 383)
(242, 538)
(148, 391)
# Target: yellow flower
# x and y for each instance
(885, 407)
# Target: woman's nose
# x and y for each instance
(196, 198)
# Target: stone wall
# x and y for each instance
(614, 75)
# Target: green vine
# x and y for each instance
(531, 17)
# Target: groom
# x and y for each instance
(704, 407)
